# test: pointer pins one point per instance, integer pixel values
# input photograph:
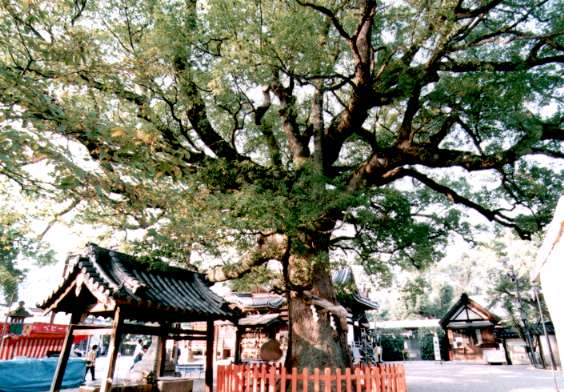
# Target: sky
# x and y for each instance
(40, 281)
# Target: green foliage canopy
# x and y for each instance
(214, 126)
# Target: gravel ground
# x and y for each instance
(461, 377)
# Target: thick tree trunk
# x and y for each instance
(317, 336)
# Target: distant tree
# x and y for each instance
(256, 130)
(10, 275)
(20, 246)
(413, 295)
(392, 347)
(513, 292)
(427, 346)
(17, 243)
(420, 301)
(509, 285)
(438, 306)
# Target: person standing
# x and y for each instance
(138, 353)
(138, 348)
(91, 362)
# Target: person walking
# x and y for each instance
(138, 348)
(91, 362)
(138, 353)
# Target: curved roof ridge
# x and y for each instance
(124, 280)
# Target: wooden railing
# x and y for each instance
(265, 378)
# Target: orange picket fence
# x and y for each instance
(265, 378)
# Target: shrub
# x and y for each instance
(392, 348)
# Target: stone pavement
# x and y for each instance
(122, 370)
(428, 376)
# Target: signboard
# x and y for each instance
(45, 328)
(436, 347)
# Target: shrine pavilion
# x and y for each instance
(139, 298)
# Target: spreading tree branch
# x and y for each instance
(269, 247)
(288, 111)
(451, 195)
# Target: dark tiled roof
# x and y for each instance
(127, 281)
(465, 300)
(249, 301)
(20, 312)
(342, 276)
(365, 302)
(345, 277)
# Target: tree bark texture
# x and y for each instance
(317, 334)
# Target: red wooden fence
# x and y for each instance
(24, 346)
(265, 378)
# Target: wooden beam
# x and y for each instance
(92, 332)
(210, 354)
(85, 327)
(190, 331)
(101, 307)
(186, 337)
(139, 329)
(55, 304)
(115, 340)
(64, 356)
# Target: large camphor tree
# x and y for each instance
(258, 130)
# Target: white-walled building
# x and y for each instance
(549, 270)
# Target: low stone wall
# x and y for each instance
(175, 384)
(164, 384)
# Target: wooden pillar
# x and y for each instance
(356, 330)
(209, 356)
(160, 357)
(64, 356)
(115, 340)
(552, 360)
(541, 352)
(160, 360)
(238, 334)
(506, 350)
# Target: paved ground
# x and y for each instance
(451, 376)
(428, 376)
(121, 374)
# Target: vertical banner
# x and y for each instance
(436, 347)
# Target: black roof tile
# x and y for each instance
(128, 281)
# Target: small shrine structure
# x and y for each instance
(21, 335)
(470, 330)
(266, 319)
(356, 303)
(140, 298)
(16, 318)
